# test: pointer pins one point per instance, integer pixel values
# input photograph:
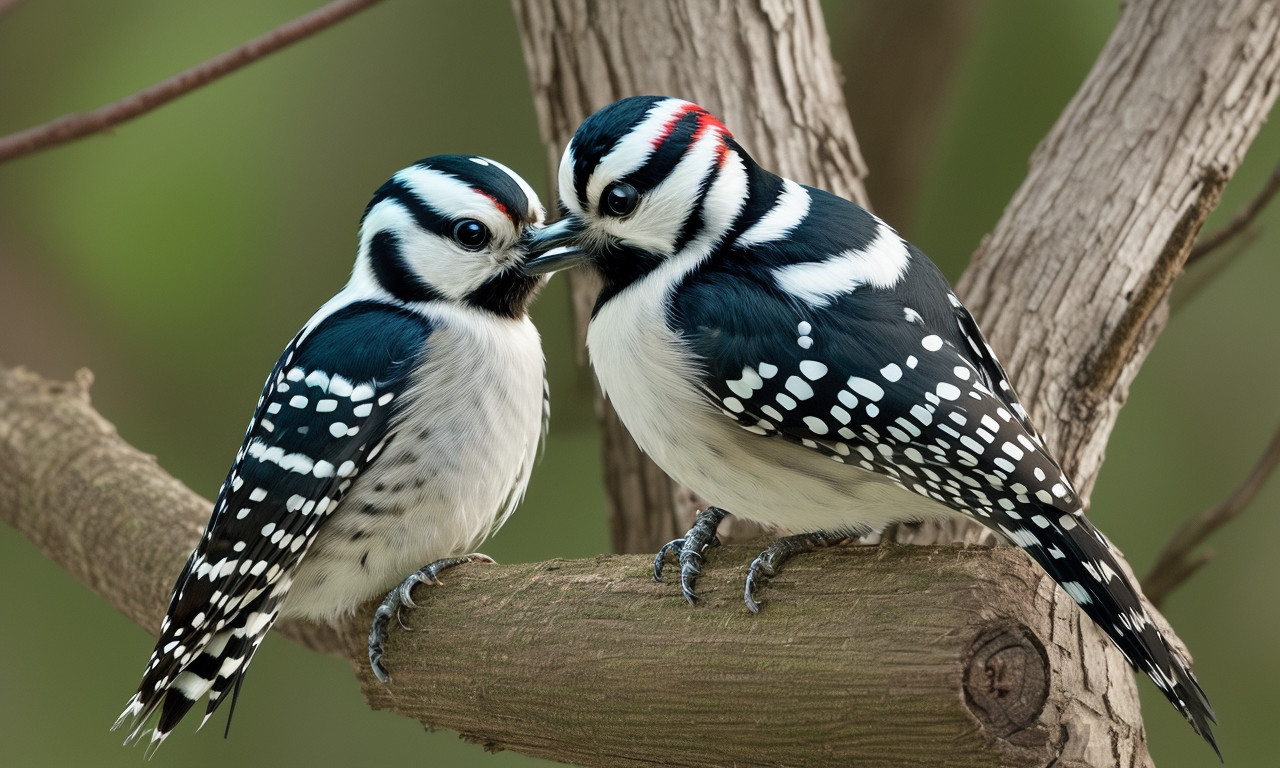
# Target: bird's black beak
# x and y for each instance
(556, 247)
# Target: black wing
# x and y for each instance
(324, 414)
(902, 383)
(868, 379)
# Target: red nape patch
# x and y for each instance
(722, 152)
(497, 205)
(706, 121)
(670, 125)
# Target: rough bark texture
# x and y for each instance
(958, 656)
(765, 68)
(591, 662)
(1071, 286)
(588, 661)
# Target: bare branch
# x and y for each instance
(1176, 562)
(1206, 245)
(8, 5)
(74, 126)
(551, 658)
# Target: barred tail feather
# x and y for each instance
(1083, 563)
(172, 685)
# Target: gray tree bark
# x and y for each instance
(974, 649)
(1072, 284)
(590, 661)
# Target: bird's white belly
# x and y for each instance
(643, 369)
(446, 480)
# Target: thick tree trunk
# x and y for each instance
(765, 68)
(1071, 285)
(589, 661)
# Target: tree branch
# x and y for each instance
(71, 127)
(1086, 251)
(1071, 286)
(962, 656)
(1212, 241)
(1175, 563)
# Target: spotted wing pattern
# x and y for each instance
(324, 414)
(913, 393)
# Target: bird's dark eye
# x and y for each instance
(619, 199)
(470, 234)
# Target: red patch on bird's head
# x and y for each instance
(497, 205)
(705, 120)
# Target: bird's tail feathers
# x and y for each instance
(1084, 564)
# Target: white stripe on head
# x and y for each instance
(791, 208)
(536, 213)
(564, 178)
(455, 199)
(657, 221)
(880, 265)
(634, 149)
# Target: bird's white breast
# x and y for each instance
(649, 375)
(457, 463)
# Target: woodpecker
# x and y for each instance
(789, 357)
(399, 427)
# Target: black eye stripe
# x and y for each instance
(599, 135)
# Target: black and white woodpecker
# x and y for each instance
(789, 357)
(399, 427)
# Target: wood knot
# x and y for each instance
(1006, 682)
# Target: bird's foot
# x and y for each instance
(401, 596)
(767, 563)
(689, 549)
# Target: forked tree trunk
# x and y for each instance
(877, 656)
(1072, 284)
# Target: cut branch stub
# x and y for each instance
(1006, 682)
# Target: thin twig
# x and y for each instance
(74, 126)
(1176, 562)
(1242, 219)
(8, 5)
(1191, 285)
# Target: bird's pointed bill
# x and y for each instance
(557, 247)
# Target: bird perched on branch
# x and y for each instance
(789, 357)
(399, 427)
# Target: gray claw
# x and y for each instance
(689, 549)
(402, 596)
(659, 560)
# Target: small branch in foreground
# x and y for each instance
(1176, 563)
(74, 126)
(1214, 240)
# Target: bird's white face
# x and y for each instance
(645, 179)
(447, 228)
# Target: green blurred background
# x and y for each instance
(176, 256)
